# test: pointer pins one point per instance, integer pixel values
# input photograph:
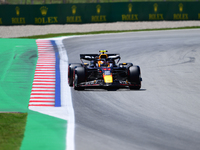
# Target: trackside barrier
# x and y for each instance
(97, 12)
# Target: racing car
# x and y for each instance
(103, 70)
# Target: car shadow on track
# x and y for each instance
(110, 89)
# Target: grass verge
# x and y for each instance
(101, 32)
(12, 126)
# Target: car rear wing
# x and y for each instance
(90, 57)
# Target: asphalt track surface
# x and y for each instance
(163, 115)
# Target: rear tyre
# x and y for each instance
(71, 72)
(79, 77)
(134, 76)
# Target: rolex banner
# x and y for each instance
(45, 14)
(14, 15)
(152, 11)
(97, 12)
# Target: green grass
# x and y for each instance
(100, 32)
(12, 126)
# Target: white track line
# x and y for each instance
(66, 98)
(66, 110)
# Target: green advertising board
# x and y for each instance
(98, 12)
(86, 13)
(14, 15)
(45, 14)
(2, 11)
(152, 11)
(73, 13)
(183, 11)
(128, 11)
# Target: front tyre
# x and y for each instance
(71, 72)
(79, 77)
(134, 76)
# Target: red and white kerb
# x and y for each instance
(43, 88)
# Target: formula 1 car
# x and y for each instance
(103, 70)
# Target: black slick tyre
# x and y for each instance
(79, 76)
(134, 76)
(71, 71)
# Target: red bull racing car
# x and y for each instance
(103, 70)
